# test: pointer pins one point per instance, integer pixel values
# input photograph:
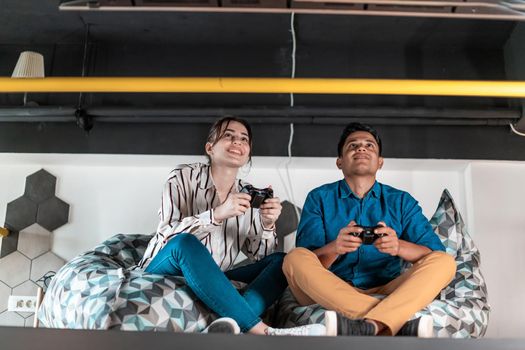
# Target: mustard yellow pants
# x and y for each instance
(311, 283)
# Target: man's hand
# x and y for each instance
(235, 204)
(345, 242)
(389, 243)
(270, 211)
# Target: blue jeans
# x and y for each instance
(184, 255)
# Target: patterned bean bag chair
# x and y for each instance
(100, 290)
(461, 309)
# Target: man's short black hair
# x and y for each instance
(353, 127)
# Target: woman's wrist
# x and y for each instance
(214, 219)
(266, 227)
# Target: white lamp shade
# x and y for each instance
(29, 65)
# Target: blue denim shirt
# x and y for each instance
(332, 206)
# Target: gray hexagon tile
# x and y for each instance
(40, 186)
(29, 218)
(25, 289)
(8, 318)
(34, 241)
(5, 292)
(286, 225)
(8, 244)
(18, 270)
(52, 213)
(43, 264)
(30, 321)
(21, 213)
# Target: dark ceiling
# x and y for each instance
(40, 22)
(259, 45)
(241, 44)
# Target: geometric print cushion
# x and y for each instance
(460, 311)
(125, 249)
(154, 302)
(82, 293)
(465, 310)
(101, 290)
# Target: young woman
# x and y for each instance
(205, 222)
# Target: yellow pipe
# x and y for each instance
(267, 85)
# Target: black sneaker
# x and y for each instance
(422, 327)
(337, 324)
(223, 325)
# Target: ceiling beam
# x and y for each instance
(477, 9)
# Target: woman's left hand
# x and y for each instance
(270, 211)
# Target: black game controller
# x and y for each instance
(259, 195)
(367, 235)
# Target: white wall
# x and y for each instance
(498, 195)
(111, 194)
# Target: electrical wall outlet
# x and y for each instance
(21, 303)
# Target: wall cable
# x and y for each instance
(514, 130)
(84, 60)
(288, 182)
(294, 48)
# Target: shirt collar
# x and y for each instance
(345, 191)
(205, 180)
(376, 190)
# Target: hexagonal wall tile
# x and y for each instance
(26, 288)
(40, 186)
(8, 244)
(52, 213)
(286, 224)
(14, 269)
(288, 220)
(21, 213)
(5, 292)
(8, 318)
(34, 241)
(43, 264)
(29, 321)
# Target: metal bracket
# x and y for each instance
(89, 3)
(520, 124)
(84, 121)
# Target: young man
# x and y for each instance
(334, 268)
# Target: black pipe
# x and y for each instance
(40, 111)
(399, 112)
(275, 115)
(312, 120)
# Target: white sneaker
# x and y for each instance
(310, 329)
(425, 328)
(223, 325)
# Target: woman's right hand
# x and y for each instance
(235, 204)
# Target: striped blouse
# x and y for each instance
(187, 201)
